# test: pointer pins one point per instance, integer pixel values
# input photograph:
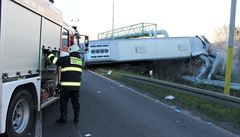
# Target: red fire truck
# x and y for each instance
(28, 28)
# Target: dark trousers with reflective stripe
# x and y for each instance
(64, 97)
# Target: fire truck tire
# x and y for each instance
(20, 118)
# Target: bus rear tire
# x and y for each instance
(21, 115)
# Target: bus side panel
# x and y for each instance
(7, 91)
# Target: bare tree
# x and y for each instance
(221, 34)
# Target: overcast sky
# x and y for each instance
(177, 17)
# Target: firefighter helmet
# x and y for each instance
(73, 48)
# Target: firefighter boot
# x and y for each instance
(76, 118)
(62, 118)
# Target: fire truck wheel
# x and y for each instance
(20, 117)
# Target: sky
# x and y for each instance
(177, 17)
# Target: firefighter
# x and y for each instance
(71, 70)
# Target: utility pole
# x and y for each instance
(112, 18)
(230, 48)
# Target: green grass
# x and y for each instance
(199, 106)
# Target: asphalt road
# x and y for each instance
(109, 109)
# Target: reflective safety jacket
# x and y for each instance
(71, 70)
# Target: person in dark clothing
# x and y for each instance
(71, 71)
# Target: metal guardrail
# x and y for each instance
(223, 99)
